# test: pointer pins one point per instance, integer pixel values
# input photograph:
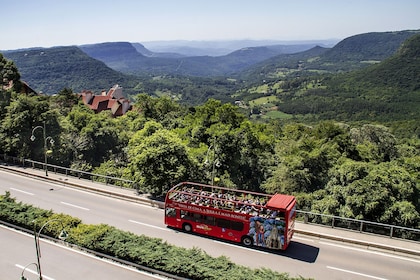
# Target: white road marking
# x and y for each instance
(149, 206)
(371, 252)
(33, 271)
(303, 238)
(147, 225)
(240, 247)
(22, 191)
(356, 273)
(75, 206)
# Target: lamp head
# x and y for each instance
(33, 137)
(63, 235)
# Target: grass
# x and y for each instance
(277, 115)
(263, 100)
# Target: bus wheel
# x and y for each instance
(187, 227)
(247, 241)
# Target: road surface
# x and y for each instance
(306, 256)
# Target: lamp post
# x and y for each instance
(215, 162)
(63, 235)
(45, 143)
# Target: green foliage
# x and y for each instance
(305, 156)
(9, 74)
(158, 160)
(22, 115)
(370, 191)
(375, 143)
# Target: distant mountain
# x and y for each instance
(224, 47)
(374, 46)
(136, 59)
(361, 50)
(49, 70)
(146, 52)
(352, 53)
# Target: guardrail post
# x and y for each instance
(361, 227)
(332, 223)
(305, 216)
(391, 232)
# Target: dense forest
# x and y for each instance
(334, 163)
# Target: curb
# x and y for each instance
(360, 242)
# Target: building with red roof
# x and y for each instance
(113, 100)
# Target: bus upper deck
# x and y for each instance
(239, 201)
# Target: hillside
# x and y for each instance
(52, 69)
(387, 91)
(281, 65)
(352, 53)
(401, 71)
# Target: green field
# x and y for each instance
(263, 100)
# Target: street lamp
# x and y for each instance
(216, 162)
(22, 277)
(45, 143)
(63, 235)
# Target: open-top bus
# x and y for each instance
(240, 216)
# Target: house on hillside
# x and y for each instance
(24, 87)
(113, 100)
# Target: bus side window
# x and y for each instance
(223, 223)
(237, 226)
(209, 220)
(196, 217)
(184, 214)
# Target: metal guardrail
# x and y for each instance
(108, 180)
(362, 226)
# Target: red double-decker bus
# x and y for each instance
(246, 217)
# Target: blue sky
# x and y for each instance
(46, 23)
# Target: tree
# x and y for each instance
(304, 156)
(22, 115)
(9, 75)
(158, 161)
(371, 191)
(64, 101)
(375, 142)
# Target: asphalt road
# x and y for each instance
(307, 257)
(18, 255)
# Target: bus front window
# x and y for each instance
(170, 212)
